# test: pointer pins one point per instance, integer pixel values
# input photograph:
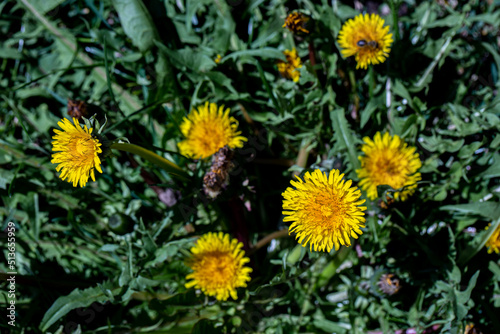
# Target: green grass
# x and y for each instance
(109, 258)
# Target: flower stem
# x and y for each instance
(154, 158)
(395, 18)
(267, 239)
(371, 86)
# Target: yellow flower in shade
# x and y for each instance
(218, 265)
(324, 210)
(289, 68)
(296, 22)
(366, 38)
(77, 152)
(218, 59)
(493, 242)
(207, 130)
(388, 161)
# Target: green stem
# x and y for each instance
(371, 87)
(154, 158)
(268, 88)
(395, 18)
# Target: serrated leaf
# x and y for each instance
(169, 250)
(464, 296)
(77, 298)
(490, 210)
(126, 275)
(186, 58)
(495, 269)
(493, 170)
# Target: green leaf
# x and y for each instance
(478, 243)
(10, 53)
(329, 326)
(493, 170)
(205, 326)
(494, 53)
(263, 53)
(126, 275)
(437, 144)
(464, 296)
(44, 6)
(169, 250)
(367, 112)
(6, 177)
(129, 102)
(136, 22)
(188, 58)
(495, 269)
(490, 210)
(344, 137)
(77, 298)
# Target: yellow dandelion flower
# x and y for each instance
(218, 58)
(207, 130)
(325, 210)
(77, 152)
(388, 161)
(366, 38)
(289, 68)
(493, 242)
(296, 22)
(218, 265)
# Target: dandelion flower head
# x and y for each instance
(218, 265)
(388, 160)
(296, 22)
(325, 210)
(207, 130)
(77, 152)
(493, 242)
(289, 68)
(366, 38)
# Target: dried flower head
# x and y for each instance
(218, 265)
(207, 130)
(325, 210)
(218, 177)
(77, 109)
(472, 329)
(289, 68)
(296, 22)
(389, 284)
(77, 152)
(366, 38)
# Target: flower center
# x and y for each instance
(389, 169)
(328, 210)
(84, 146)
(218, 268)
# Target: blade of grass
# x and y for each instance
(434, 62)
(268, 88)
